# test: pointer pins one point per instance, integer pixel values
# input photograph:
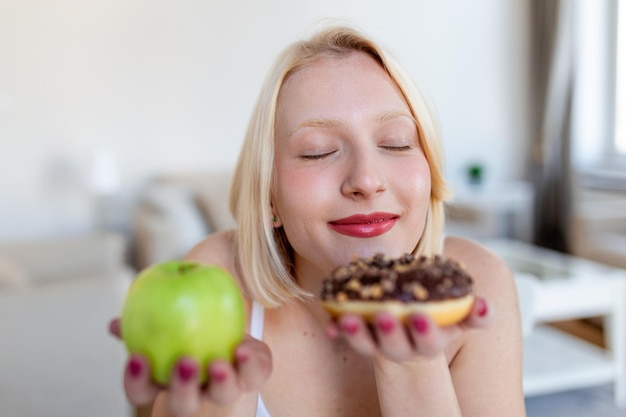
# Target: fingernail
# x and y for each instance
(134, 367)
(114, 327)
(350, 327)
(186, 371)
(386, 325)
(219, 375)
(420, 324)
(242, 356)
(482, 308)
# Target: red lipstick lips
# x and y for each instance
(364, 225)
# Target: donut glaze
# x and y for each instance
(435, 286)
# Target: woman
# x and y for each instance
(342, 157)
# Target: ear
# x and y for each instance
(276, 220)
(276, 223)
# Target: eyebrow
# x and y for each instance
(331, 123)
(325, 123)
(395, 114)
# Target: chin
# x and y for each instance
(392, 249)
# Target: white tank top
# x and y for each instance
(256, 331)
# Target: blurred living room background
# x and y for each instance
(121, 122)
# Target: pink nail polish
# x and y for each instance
(482, 308)
(134, 367)
(114, 327)
(420, 324)
(350, 328)
(219, 375)
(386, 325)
(242, 356)
(186, 371)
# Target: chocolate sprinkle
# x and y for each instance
(407, 279)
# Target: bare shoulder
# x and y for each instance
(217, 249)
(492, 276)
(494, 352)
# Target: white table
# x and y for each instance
(570, 288)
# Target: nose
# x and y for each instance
(364, 176)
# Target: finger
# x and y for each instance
(428, 338)
(253, 360)
(357, 334)
(393, 340)
(139, 389)
(223, 385)
(114, 328)
(480, 315)
(184, 392)
(332, 329)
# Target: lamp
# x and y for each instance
(103, 183)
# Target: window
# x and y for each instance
(620, 82)
(599, 94)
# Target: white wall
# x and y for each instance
(168, 86)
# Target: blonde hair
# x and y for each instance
(263, 254)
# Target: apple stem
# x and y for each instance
(185, 266)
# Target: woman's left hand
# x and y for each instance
(419, 336)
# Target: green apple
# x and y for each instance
(180, 308)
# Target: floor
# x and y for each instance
(592, 402)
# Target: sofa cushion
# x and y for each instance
(175, 208)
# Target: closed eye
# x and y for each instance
(314, 157)
(397, 148)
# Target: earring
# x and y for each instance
(274, 218)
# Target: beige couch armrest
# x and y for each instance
(69, 257)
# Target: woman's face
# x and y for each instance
(351, 178)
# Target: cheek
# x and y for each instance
(415, 175)
(300, 194)
(418, 185)
(423, 180)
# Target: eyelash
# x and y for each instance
(387, 148)
(397, 148)
(317, 156)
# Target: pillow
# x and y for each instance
(176, 205)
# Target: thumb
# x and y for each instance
(114, 328)
(480, 315)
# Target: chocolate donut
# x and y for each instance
(435, 286)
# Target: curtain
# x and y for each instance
(552, 61)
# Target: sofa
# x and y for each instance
(56, 299)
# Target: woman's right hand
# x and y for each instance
(226, 381)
